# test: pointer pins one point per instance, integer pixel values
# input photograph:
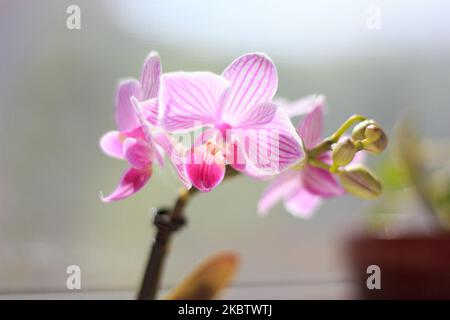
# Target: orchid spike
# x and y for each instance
(303, 190)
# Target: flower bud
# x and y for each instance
(358, 132)
(360, 182)
(377, 146)
(372, 133)
(343, 152)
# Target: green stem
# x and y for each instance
(322, 147)
(318, 164)
(345, 126)
(326, 144)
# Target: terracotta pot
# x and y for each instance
(411, 267)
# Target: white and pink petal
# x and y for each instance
(111, 144)
(302, 203)
(149, 110)
(126, 118)
(138, 153)
(321, 182)
(131, 182)
(150, 77)
(284, 184)
(176, 152)
(189, 100)
(205, 166)
(254, 80)
(268, 141)
(310, 128)
(301, 106)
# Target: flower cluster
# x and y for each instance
(241, 128)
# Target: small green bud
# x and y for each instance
(358, 132)
(343, 152)
(377, 146)
(360, 182)
(373, 133)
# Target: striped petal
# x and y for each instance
(301, 106)
(130, 183)
(310, 129)
(325, 158)
(111, 144)
(150, 111)
(302, 203)
(205, 166)
(191, 100)
(284, 184)
(150, 75)
(158, 154)
(253, 79)
(125, 114)
(137, 133)
(267, 140)
(138, 153)
(176, 152)
(146, 111)
(320, 182)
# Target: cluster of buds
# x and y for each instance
(368, 135)
(357, 179)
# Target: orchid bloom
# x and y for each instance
(132, 142)
(245, 129)
(303, 189)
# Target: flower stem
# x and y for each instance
(322, 147)
(166, 222)
(326, 144)
(345, 126)
(318, 164)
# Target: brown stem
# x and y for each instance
(166, 222)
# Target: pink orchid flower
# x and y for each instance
(303, 190)
(246, 130)
(136, 102)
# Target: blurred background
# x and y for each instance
(57, 90)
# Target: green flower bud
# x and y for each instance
(372, 133)
(358, 132)
(377, 146)
(343, 152)
(360, 182)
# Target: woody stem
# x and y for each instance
(167, 221)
